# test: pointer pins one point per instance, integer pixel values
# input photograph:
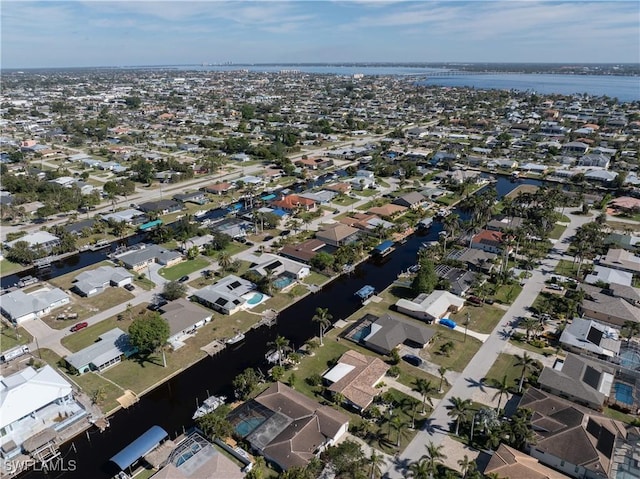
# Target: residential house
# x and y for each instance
(314, 163)
(304, 251)
(161, 207)
(197, 197)
(474, 259)
(601, 176)
(366, 222)
(339, 187)
(502, 163)
(627, 241)
(504, 223)
(460, 281)
(355, 377)
(337, 234)
(277, 267)
(38, 240)
(226, 296)
(294, 203)
(288, 428)
(489, 241)
(219, 188)
(234, 227)
(575, 148)
(580, 380)
(411, 200)
(91, 283)
(604, 275)
(588, 336)
(143, 257)
(79, 227)
(571, 439)
(184, 318)
(625, 204)
(622, 260)
(107, 351)
(431, 307)
(18, 307)
(129, 216)
(509, 463)
(36, 406)
(608, 309)
(321, 197)
(385, 333)
(594, 161)
(199, 242)
(628, 293)
(387, 211)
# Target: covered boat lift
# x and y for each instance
(140, 447)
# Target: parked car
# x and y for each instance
(183, 279)
(555, 287)
(285, 233)
(413, 360)
(267, 238)
(79, 326)
(129, 287)
(474, 300)
(489, 301)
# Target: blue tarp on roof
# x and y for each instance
(268, 197)
(384, 246)
(139, 447)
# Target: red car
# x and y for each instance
(79, 326)
(474, 300)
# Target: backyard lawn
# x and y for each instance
(65, 282)
(7, 267)
(461, 352)
(504, 364)
(507, 293)
(567, 268)
(10, 337)
(316, 278)
(182, 269)
(481, 319)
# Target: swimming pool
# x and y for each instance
(282, 282)
(361, 333)
(630, 359)
(247, 426)
(255, 299)
(624, 393)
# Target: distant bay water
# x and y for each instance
(624, 88)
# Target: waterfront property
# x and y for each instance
(509, 463)
(184, 318)
(107, 351)
(129, 216)
(304, 251)
(146, 255)
(474, 259)
(431, 307)
(36, 405)
(39, 240)
(284, 271)
(385, 333)
(227, 296)
(19, 307)
(143, 445)
(337, 234)
(287, 427)
(355, 377)
(91, 283)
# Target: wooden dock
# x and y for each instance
(214, 347)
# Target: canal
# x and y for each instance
(172, 404)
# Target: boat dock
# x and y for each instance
(383, 249)
(214, 347)
(366, 292)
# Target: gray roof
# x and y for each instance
(111, 345)
(17, 304)
(100, 278)
(228, 290)
(34, 239)
(388, 331)
(585, 380)
(160, 254)
(182, 314)
(410, 199)
(591, 336)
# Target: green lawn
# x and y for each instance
(619, 415)
(144, 283)
(7, 267)
(504, 364)
(316, 278)
(463, 350)
(344, 200)
(10, 337)
(366, 192)
(567, 268)
(65, 281)
(507, 293)
(557, 231)
(182, 269)
(481, 319)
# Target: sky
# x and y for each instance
(131, 33)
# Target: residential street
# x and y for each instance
(468, 382)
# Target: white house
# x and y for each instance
(90, 283)
(39, 239)
(431, 307)
(31, 402)
(102, 354)
(19, 307)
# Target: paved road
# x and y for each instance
(469, 381)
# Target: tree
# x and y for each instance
(459, 410)
(215, 424)
(375, 463)
(434, 457)
(244, 383)
(530, 324)
(502, 387)
(398, 423)
(323, 318)
(322, 261)
(630, 329)
(426, 279)
(224, 260)
(174, 290)
(425, 389)
(149, 332)
(347, 458)
(420, 469)
(527, 363)
(442, 370)
(281, 344)
(466, 465)
(143, 170)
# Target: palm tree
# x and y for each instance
(502, 387)
(399, 424)
(459, 410)
(442, 370)
(529, 324)
(527, 363)
(281, 344)
(420, 469)
(434, 456)
(426, 389)
(410, 404)
(376, 460)
(224, 260)
(466, 465)
(630, 329)
(323, 318)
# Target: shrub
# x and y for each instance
(314, 380)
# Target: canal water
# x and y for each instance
(172, 404)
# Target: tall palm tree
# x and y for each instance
(459, 410)
(442, 370)
(323, 318)
(529, 325)
(281, 344)
(399, 424)
(224, 260)
(527, 363)
(434, 457)
(376, 461)
(420, 469)
(426, 389)
(410, 405)
(630, 329)
(466, 465)
(502, 388)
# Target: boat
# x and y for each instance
(443, 213)
(27, 281)
(209, 405)
(236, 339)
(99, 245)
(272, 356)
(200, 213)
(425, 223)
(366, 292)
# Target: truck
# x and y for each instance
(13, 353)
